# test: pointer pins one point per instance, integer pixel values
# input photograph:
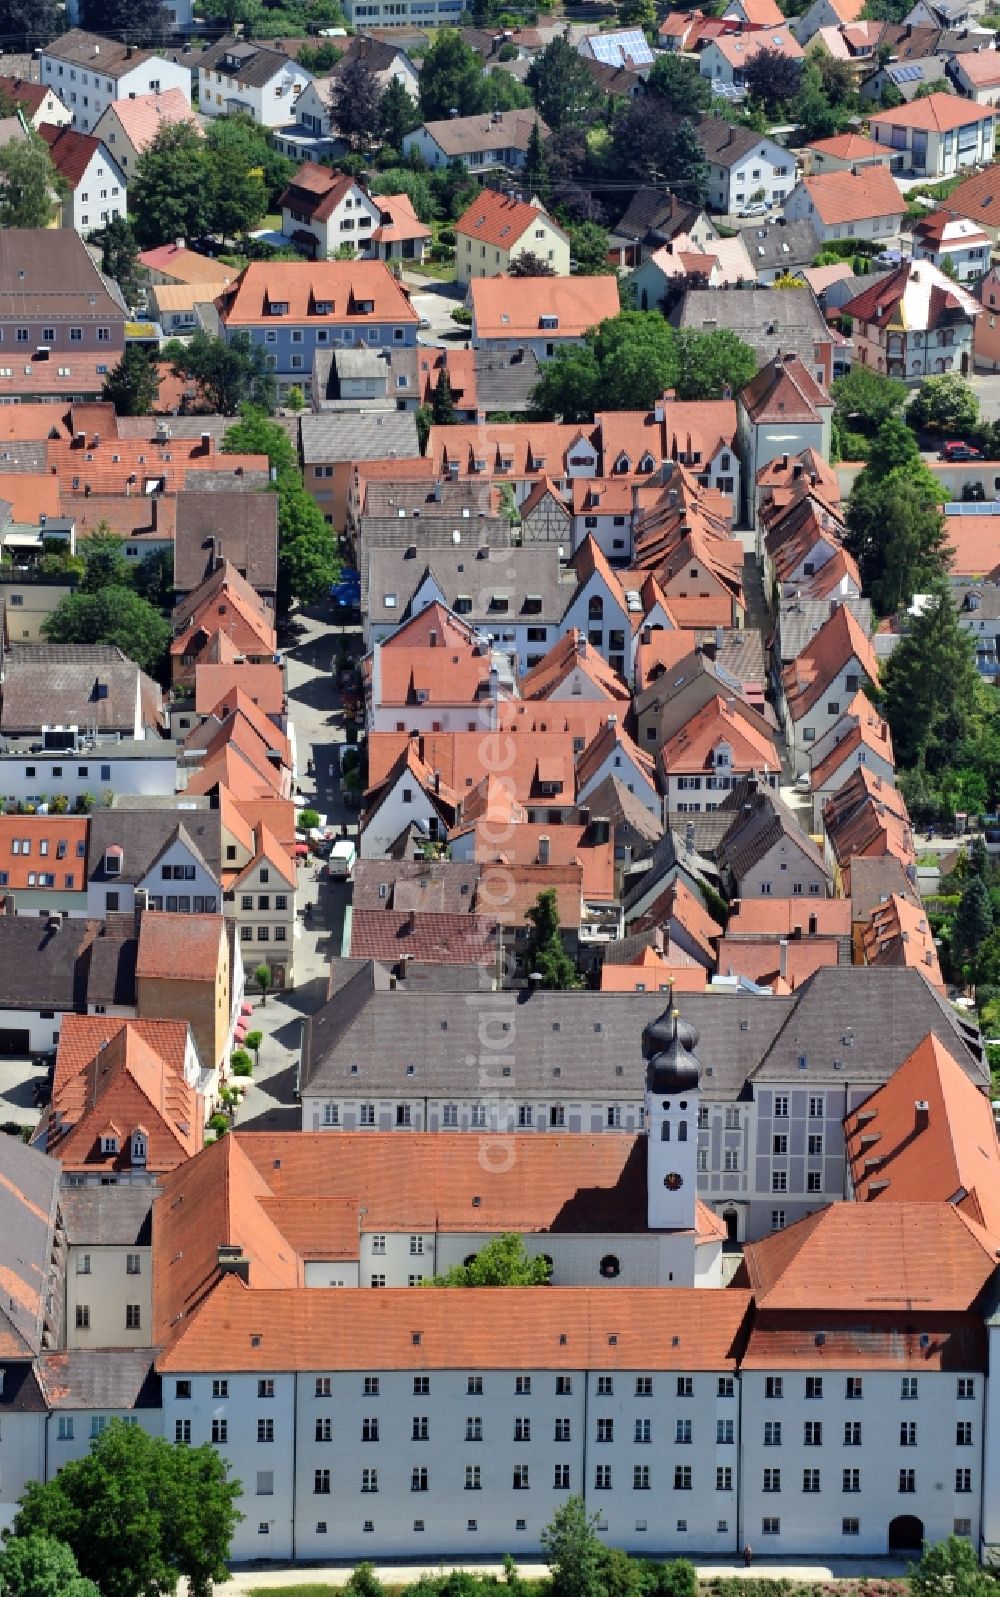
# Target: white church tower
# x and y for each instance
(672, 1072)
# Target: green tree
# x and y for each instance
(450, 78)
(230, 373)
(443, 405)
(569, 385)
(638, 14)
(895, 526)
(118, 256)
(356, 106)
(138, 1513)
(867, 398)
(931, 689)
(503, 92)
(415, 185)
(134, 384)
(262, 976)
(363, 1582)
(573, 1551)
(528, 264)
(30, 186)
(676, 1578)
(502, 1262)
(397, 114)
(565, 92)
(171, 194)
(589, 246)
(637, 355)
(979, 859)
(105, 565)
(536, 170)
(950, 1568)
(240, 195)
(812, 108)
(244, 140)
(836, 77)
(676, 81)
(688, 168)
(114, 615)
(545, 954)
(141, 21)
(153, 577)
(29, 22)
(307, 556)
(973, 921)
(944, 404)
(41, 1566)
(711, 362)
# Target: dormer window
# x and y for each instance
(138, 1147)
(109, 1143)
(646, 463)
(323, 307)
(113, 861)
(548, 323)
(278, 307)
(622, 464)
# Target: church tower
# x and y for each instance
(672, 1073)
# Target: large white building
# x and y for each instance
(88, 72)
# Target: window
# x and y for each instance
(723, 1433)
(602, 1478)
(421, 1385)
(182, 1390)
(772, 1480)
(562, 1430)
(814, 1181)
(369, 1480)
(779, 1143)
(474, 1428)
(644, 1386)
(83, 1316)
(522, 1385)
(779, 1181)
(770, 1527)
(220, 1388)
(182, 1430)
(605, 1430)
(724, 1478)
(265, 1388)
(265, 1430)
(474, 1386)
(473, 1478)
(772, 1433)
(963, 1480)
(564, 1385)
(418, 1478)
(907, 1480)
(774, 1386)
(685, 1386)
(966, 1388)
(642, 1431)
(369, 1429)
(816, 1146)
(220, 1431)
(560, 1480)
(810, 1480)
(640, 1478)
(850, 1527)
(521, 1483)
(781, 1106)
(682, 1432)
(814, 1386)
(133, 1318)
(324, 1428)
(854, 1387)
(851, 1480)
(65, 1428)
(83, 1264)
(726, 1386)
(852, 1433)
(908, 1387)
(908, 1433)
(813, 1433)
(133, 1264)
(963, 1433)
(605, 1386)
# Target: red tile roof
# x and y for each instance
(504, 307)
(838, 641)
(428, 937)
(761, 961)
(938, 113)
(786, 917)
(843, 197)
(346, 286)
(71, 152)
(64, 838)
(693, 747)
(216, 684)
(650, 972)
(785, 390)
(899, 934)
(178, 950)
(497, 218)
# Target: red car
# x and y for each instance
(955, 449)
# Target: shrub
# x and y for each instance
(218, 1123)
(241, 1062)
(308, 819)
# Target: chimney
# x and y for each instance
(720, 638)
(921, 1115)
(402, 962)
(436, 780)
(139, 907)
(178, 243)
(783, 958)
(206, 443)
(543, 849)
(689, 837)
(232, 1260)
(581, 647)
(784, 462)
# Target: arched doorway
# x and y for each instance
(906, 1534)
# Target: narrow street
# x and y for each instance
(312, 647)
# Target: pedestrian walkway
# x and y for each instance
(288, 1576)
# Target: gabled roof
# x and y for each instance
(569, 654)
(359, 294)
(266, 851)
(429, 936)
(719, 722)
(761, 821)
(845, 197)
(142, 118)
(776, 963)
(249, 63)
(499, 219)
(898, 933)
(163, 955)
(868, 816)
(917, 298)
(785, 390)
(945, 1152)
(186, 265)
(740, 48)
(837, 642)
(613, 737)
(503, 307)
(461, 136)
(71, 152)
(84, 49)
(849, 147)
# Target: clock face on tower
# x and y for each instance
(673, 1181)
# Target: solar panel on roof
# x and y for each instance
(616, 48)
(907, 74)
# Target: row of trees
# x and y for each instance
(116, 601)
(308, 563)
(186, 186)
(627, 362)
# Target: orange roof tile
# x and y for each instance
(177, 261)
(432, 675)
(937, 113)
(348, 287)
(504, 307)
(218, 684)
(898, 933)
(914, 1257)
(719, 721)
(866, 730)
(399, 220)
(699, 428)
(974, 543)
(650, 972)
(520, 1328)
(164, 954)
(267, 851)
(64, 839)
(764, 961)
(839, 640)
(142, 118)
(848, 147)
(82, 1036)
(843, 197)
(522, 845)
(499, 219)
(786, 917)
(740, 48)
(945, 1151)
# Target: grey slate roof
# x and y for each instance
(108, 1216)
(359, 435)
(468, 499)
(110, 972)
(179, 426)
(258, 63)
(782, 245)
(235, 525)
(100, 1378)
(977, 601)
(799, 621)
(60, 281)
(650, 211)
(671, 857)
(110, 56)
(771, 320)
(42, 968)
(462, 572)
(29, 1193)
(873, 878)
(71, 684)
(503, 383)
(143, 834)
(850, 1023)
(753, 832)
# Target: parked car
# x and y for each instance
(758, 208)
(957, 449)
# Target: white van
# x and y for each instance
(341, 859)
